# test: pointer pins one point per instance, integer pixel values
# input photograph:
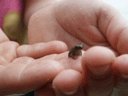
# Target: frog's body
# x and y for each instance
(76, 51)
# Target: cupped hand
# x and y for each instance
(91, 22)
(21, 71)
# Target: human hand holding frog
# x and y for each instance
(20, 70)
(93, 23)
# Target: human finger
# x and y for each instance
(120, 68)
(114, 27)
(41, 49)
(67, 82)
(97, 68)
(26, 74)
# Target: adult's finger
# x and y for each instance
(114, 27)
(97, 66)
(41, 49)
(67, 82)
(26, 74)
(120, 67)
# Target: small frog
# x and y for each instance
(76, 51)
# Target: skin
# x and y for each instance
(82, 76)
(92, 23)
(21, 71)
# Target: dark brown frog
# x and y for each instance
(76, 51)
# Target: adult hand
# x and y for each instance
(91, 22)
(19, 72)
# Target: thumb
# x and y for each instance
(114, 27)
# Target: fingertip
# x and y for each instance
(98, 59)
(41, 49)
(97, 63)
(67, 82)
(99, 55)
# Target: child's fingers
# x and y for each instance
(120, 67)
(41, 49)
(26, 74)
(97, 66)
